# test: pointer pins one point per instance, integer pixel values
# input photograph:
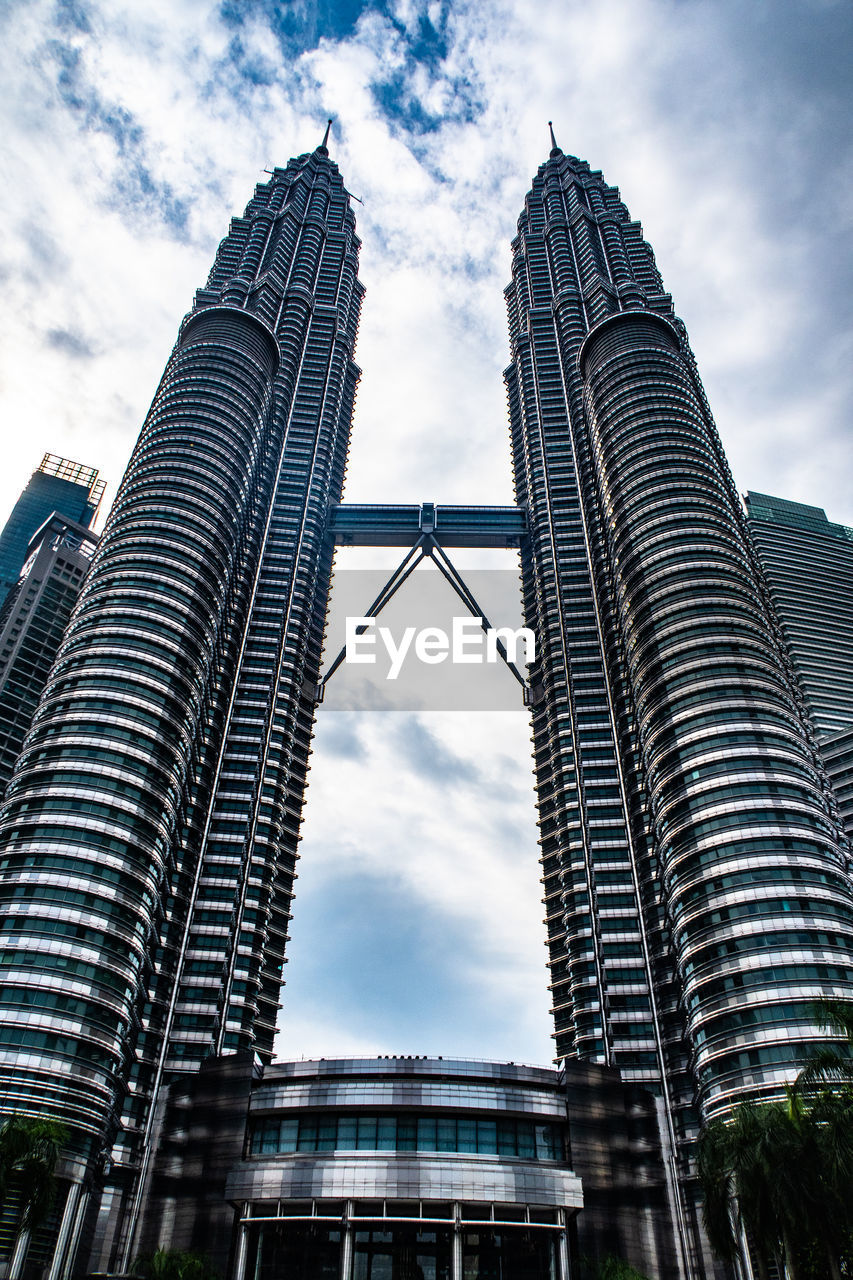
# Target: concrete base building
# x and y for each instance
(404, 1167)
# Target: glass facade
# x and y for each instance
(312, 1250)
(808, 564)
(505, 1137)
(404, 1252)
(396, 1251)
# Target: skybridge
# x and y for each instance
(354, 525)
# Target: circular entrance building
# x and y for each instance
(405, 1169)
(411, 1168)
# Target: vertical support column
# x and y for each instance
(19, 1257)
(242, 1244)
(563, 1250)
(456, 1273)
(259, 1252)
(69, 1216)
(76, 1228)
(346, 1244)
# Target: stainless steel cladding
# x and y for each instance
(695, 885)
(748, 849)
(149, 834)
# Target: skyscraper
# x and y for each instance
(149, 833)
(58, 484)
(808, 564)
(697, 897)
(696, 894)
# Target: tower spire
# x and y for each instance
(323, 147)
(555, 150)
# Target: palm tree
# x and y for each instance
(826, 1086)
(749, 1168)
(826, 1173)
(783, 1173)
(831, 1066)
(30, 1147)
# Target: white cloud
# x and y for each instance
(459, 858)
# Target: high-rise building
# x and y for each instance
(697, 897)
(150, 830)
(57, 485)
(32, 622)
(808, 564)
(837, 753)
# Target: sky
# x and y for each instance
(131, 131)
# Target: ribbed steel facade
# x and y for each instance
(697, 895)
(149, 833)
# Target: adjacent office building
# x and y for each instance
(32, 622)
(57, 485)
(808, 563)
(697, 894)
(45, 549)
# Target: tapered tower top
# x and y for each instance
(555, 150)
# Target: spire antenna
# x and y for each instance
(555, 150)
(323, 147)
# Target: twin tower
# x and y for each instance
(696, 884)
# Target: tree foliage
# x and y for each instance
(782, 1172)
(174, 1264)
(30, 1147)
(831, 1066)
(613, 1268)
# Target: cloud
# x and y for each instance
(430, 759)
(394, 975)
(404, 865)
(71, 343)
(451, 863)
(343, 738)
